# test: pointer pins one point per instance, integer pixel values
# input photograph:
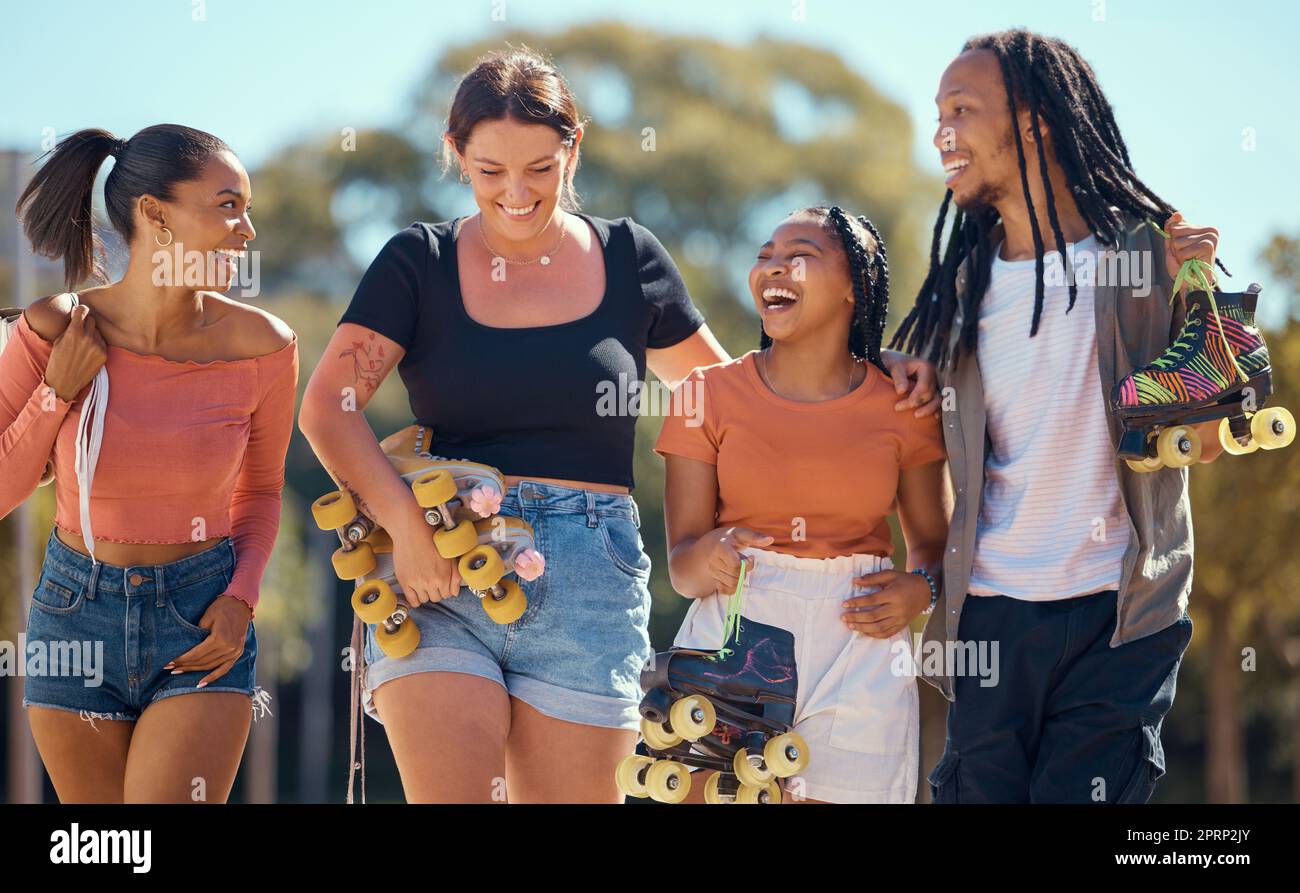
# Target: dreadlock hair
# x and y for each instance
(1047, 77)
(869, 273)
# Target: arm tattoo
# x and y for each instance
(365, 363)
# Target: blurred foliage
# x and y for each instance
(1245, 599)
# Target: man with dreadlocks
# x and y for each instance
(792, 467)
(1077, 567)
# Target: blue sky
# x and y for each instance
(1192, 82)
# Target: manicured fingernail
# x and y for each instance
(174, 672)
(170, 664)
(200, 685)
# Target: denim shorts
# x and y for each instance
(98, 635)
(576, 653)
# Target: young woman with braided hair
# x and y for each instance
(792, 467)
(1077, 565)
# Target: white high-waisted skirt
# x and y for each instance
(857, 705)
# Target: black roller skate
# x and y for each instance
(729, 711)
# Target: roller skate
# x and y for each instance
(728, 712)
(1217, 368)
(460, 499)
(503, 546)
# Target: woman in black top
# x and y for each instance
(511, 329)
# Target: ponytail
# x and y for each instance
(56, 208)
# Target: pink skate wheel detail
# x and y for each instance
(529, 564)
(485, 501)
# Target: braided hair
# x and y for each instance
(1049, 78)
(869, 273)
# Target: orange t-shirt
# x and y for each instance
(819, 478)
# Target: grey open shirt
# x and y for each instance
(1157, 570)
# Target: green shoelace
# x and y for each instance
(1184, 342)
(731, 626)
(1199, 275)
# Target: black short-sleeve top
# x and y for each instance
(553, 401)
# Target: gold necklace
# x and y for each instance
(544, 259)
(762, 360)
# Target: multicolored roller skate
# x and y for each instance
(1217, 368)
(729, 712)
(460, 500)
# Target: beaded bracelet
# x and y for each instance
(934, 589)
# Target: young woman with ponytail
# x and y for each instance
(793, 466)
(167, 409)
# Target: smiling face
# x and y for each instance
(517, 172)
(800, 280)
(974, 138)
(209, 215)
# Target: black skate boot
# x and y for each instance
(729, 711)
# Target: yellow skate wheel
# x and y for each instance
(692, 717)
(766, 793)
(786, 754)
(434, 488)
(510, 607)
(374, 601)
(401, 641)
(1273, 428)
(711, 794)
(627, 772)
(657, 737)
(668, 781)
(354, 563)
(1230, 444)
(453, 542)
(481, 568)
(1179, 446)
(334, 510)
(380, 541)
(747, 772)
(1145, 466)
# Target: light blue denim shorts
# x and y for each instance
(576, 653)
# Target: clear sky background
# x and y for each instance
(1192, 82)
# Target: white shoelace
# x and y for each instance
(90, 436)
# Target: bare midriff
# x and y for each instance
(131, 554)
(512, 480)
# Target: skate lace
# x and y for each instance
(1184, 342)
(1200, 275)
(731, 626)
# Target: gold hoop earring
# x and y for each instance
(162, 244)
